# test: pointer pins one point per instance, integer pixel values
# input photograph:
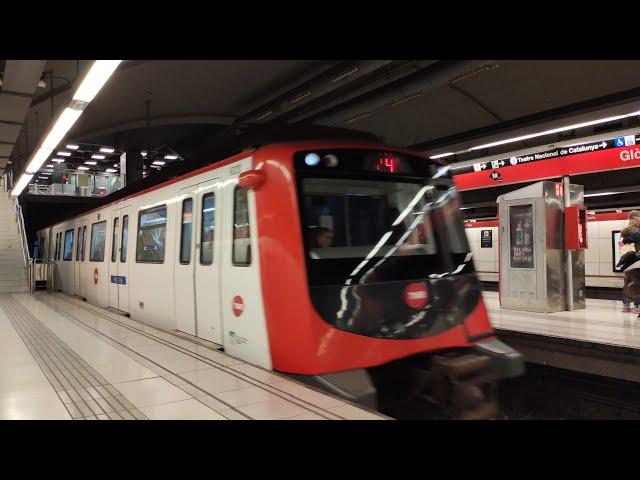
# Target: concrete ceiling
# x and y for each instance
(433, 106)
(19, 80)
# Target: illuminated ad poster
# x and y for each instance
(521, 236)
(619, 250)
(486, 238)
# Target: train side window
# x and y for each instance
(114, 241)
(79, 237)
(68, 246)
(207, 228)
(125, 239)
(98, 238)
(152, 228)
(241, 254)
(185, 231)
(84, 240)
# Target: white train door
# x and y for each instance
(118, 265)
(245, 333)
(197, 272)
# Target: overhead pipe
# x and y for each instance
(405, 89)
(323, 84)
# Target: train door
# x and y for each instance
(83, 264)
(241, 298)
(197, 273)
(118, 265)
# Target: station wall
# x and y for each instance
(598, 257)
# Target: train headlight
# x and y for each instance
(312, 159)
(330, 160)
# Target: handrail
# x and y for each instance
(23, 234)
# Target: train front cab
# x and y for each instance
(369, 285)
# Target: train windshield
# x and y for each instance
(386, 251)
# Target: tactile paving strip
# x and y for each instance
(86, 394)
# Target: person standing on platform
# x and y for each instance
(631, 289)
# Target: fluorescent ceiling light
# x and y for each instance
(64, 154)
(83, 168)
(601, 194)
(107, 150)
(72, 147)
(38, 160)
(159, 162)
(555, 130)
(44, 178)
(88, 162)
(98, 157)
(95, 79)
(111, 170)
(45, 173)
(170, 157)
(115, 165)
(57, 160)
(143, 153)
(440, 155)
(49, 166)
(22, 182)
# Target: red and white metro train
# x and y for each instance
(327, 260)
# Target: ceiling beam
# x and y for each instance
(539, 118)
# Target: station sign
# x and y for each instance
(613, 154)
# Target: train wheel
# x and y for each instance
(442, 387)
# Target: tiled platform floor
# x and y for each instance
(61, 358)
(601, 322)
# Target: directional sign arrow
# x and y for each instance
(483, 166)
(603, 144)
(501, 163)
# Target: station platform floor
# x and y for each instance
(601, 322)
(61, 358)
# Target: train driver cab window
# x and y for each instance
(114, 240)
(68, 245)
(364, 218)
(152, 228)
(125, 239)
(241, 228)
(207, 229)
(98, 237)
(185, 231)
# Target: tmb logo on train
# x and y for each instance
(238, 305)
(416, 295)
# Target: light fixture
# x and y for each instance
(170, 157)
(110, 170)
(41, 82)
(83, 168)
(95, 79)
(107, 150)
(555, 130)
(72, 147)
(89, 87)
(115, 165)
(45, 173)
(57, 160)
(440, 155)
(159, 162)
(143, 153)
(88, 162)
(24, 179)
(602, 194)
(49, 166)
(98, 157)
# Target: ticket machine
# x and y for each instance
(543, 234)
